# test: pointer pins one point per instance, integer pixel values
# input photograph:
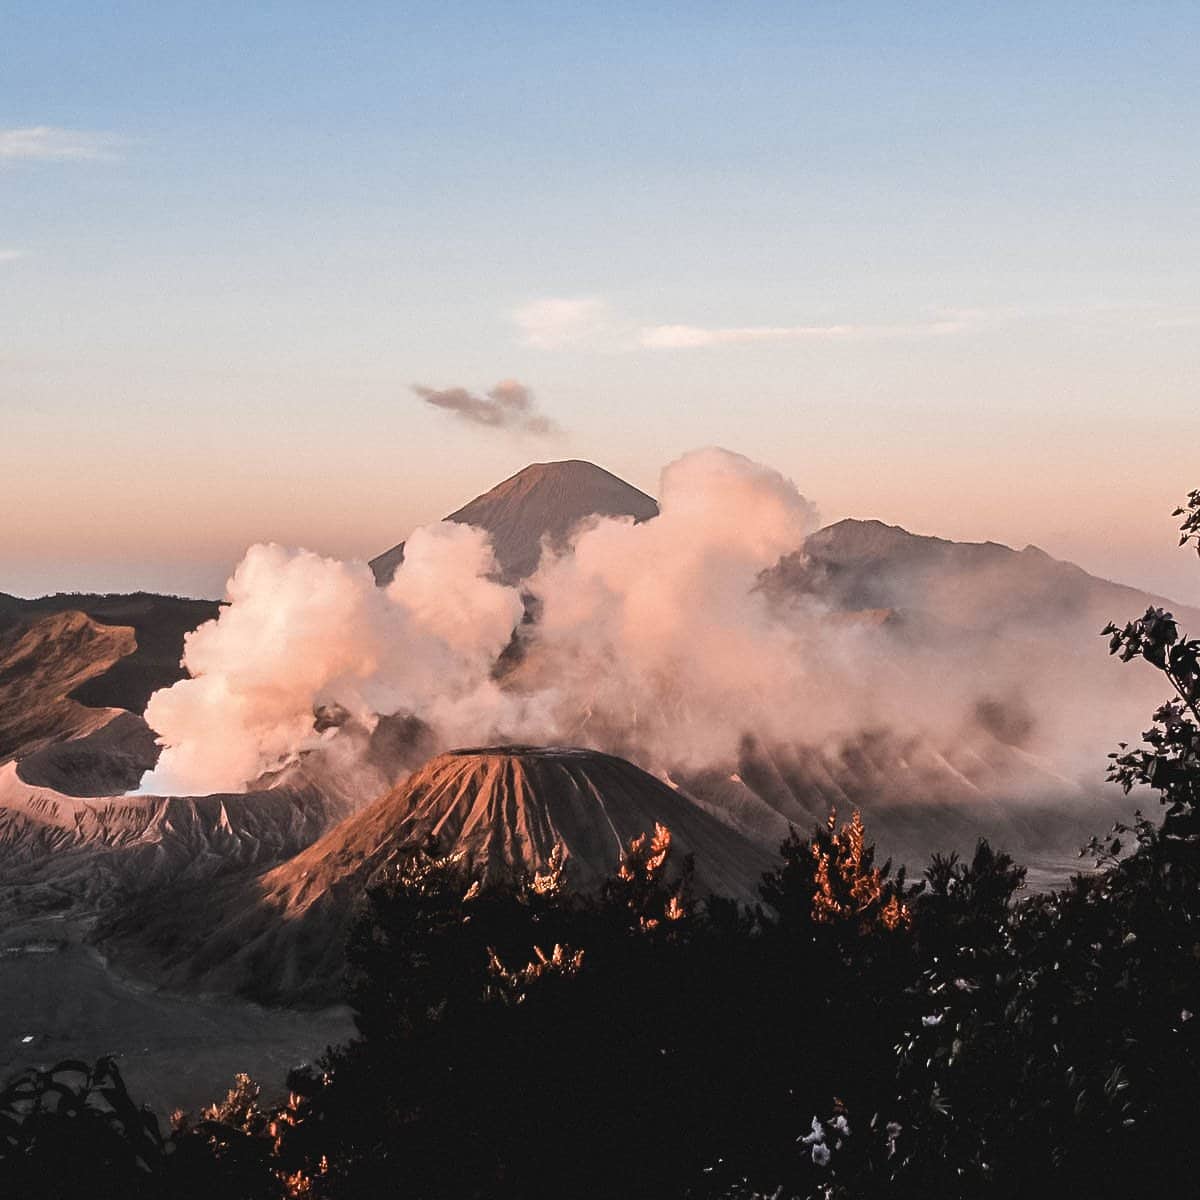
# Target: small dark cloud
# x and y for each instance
(508, 405)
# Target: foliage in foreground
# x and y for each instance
(858, 1035)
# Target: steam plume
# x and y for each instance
(301, 630)
(659, 640)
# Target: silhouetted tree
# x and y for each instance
(73, 1131)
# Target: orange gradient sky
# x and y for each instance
(945, 274)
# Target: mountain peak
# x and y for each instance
(542, 502)
(574, 475)
(559, 467)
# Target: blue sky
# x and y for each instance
(938, 263)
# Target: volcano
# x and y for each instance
(545, 501)
(279, 935)
(506, 808)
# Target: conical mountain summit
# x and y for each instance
(543, 501)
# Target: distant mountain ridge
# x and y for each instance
(76, 672)
(858, 564)
(158, 624)
(42, 664)
(543, 501)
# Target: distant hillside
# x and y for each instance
(158, 623)
(44, 661)
(76, 672)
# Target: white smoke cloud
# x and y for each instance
(656, 640)
(657, 625)
(301, 630)
(657, 629)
